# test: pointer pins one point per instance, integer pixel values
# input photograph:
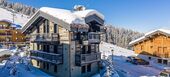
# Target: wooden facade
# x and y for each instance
(156, 45)
(10, 35)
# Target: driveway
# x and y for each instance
(132, 70)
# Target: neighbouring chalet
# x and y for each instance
(10, 34)
(154, 44)
(65, 43)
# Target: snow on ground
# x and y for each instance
(123, 68)
(5, 51)
(20, 66)
(134, 70)
(22, 72)
(7, 15)
(106, 49)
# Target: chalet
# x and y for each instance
(10, 34)
(65, 43)
(154, 44)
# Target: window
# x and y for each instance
(47, 24)
(55, 68)
(83, 69)
(55, 49)
(159, 49)
(44, 48)
(165, 62)
(164, 49)
(89, 68)
(38, 47)
(141, 47)
(47, 66)
(48, 48)
(44, 30)
(151, 46)
(159, 61)
(44, 65)
(38, 63)
(55, 28)
(38, 29)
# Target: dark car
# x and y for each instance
(139, 61)
(129, 59)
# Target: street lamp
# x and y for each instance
(112, 56)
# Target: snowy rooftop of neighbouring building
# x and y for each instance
(70, 16)
(163, 31)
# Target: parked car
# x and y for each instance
(129, 59)
(139, 61)
(164, 73)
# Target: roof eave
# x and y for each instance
(47, 16)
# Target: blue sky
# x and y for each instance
(138, 15)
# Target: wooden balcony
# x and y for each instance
(47, 57)
(44, 37)
(82, 59)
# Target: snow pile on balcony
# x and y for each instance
(106, 50)
(162, 31)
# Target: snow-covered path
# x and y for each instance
(134, 70)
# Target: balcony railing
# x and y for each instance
(82, 59)
(94, 37)
(48, 57)
(44, 37)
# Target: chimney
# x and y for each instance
(79, 8)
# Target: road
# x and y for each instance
(132, 70)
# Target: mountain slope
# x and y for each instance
(19, 18)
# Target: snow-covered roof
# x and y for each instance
(67, 16)
(148, 34)
(62, 14)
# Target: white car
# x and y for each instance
(164, 73)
